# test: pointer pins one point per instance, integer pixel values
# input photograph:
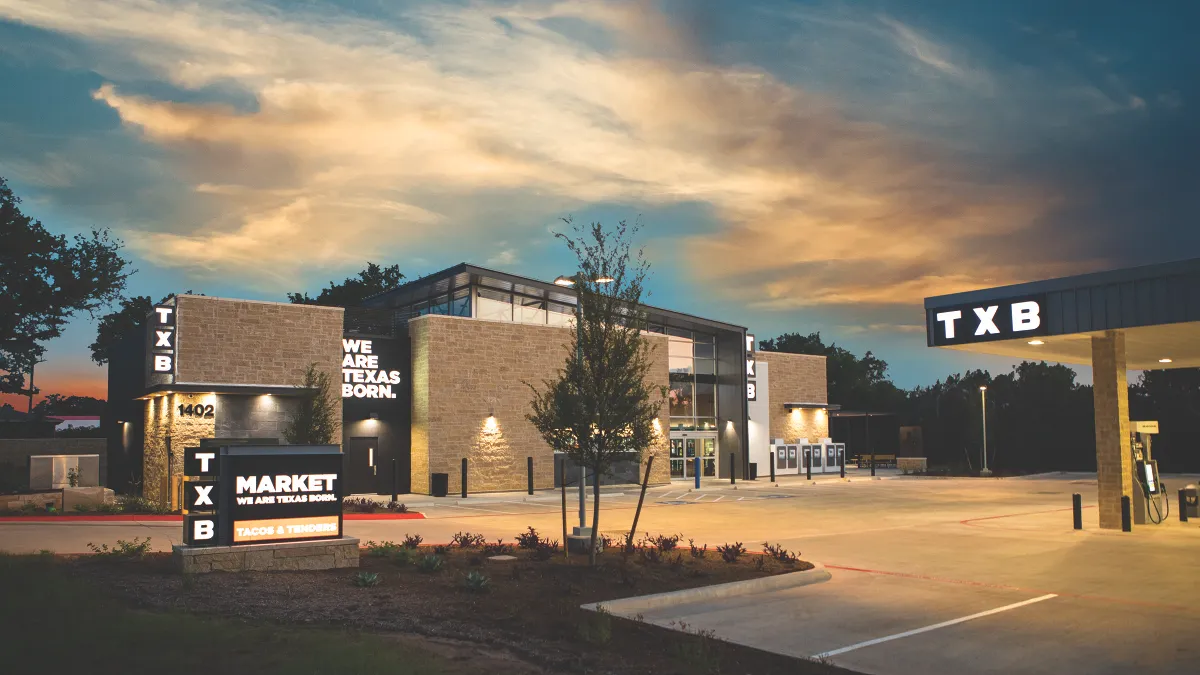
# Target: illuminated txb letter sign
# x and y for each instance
(984, 322)
(361, 375)
(161, 353)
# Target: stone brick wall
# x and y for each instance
(16, 451)
(1110, 392)
(301, 555)
(224, 341)
(253, 416)
(796, 378)
(163, 420)
(465, 369)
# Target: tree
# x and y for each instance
(112, 327)
(599, 409)
(351, 292)
(57, 404)
(314, 422)
(44, 280)
(854, 383)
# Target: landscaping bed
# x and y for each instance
(528, 607)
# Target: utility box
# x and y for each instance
(439, 484)
(1190, 504)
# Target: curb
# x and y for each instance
(170, 518)
(411, 515)
(626, 606)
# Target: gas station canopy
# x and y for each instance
(1156, 307)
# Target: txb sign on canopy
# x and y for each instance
(361, 375)
(987, 321)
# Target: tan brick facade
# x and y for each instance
(796, 378)
(221, 341)
(465, 369)
(1110, 391)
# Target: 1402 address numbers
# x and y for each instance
(196, 410)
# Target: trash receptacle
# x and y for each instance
(753, 470)
(1190, 501)
(439, 484)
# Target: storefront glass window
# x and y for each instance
(681, 398)
(494, 306)
(529, 310)
(461, 304)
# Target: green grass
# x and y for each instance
(54, 622)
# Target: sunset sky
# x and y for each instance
(798, 166)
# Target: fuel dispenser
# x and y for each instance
(1150, 500)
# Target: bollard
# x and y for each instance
(1126, 519)
(1077, 508)
(529, 470)
(696, 470)
(808, 464)
(842, 459)
(464, 478)
(773, 471)
(395, 480)
(1182, 507)
(872, 464)
(732, 478)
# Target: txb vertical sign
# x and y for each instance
(160, 345)
(262, 494)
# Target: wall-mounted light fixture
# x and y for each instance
(373, 416)
(1037, 343)
(1164, 360)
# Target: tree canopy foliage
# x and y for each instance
(350, 293)
(57, 404)
(314, 420)
(114, 326)
(598, 409)
(45, 279)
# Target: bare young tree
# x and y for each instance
(599, 408)
(314, 421)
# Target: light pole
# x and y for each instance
(569, 282)
(983, 410)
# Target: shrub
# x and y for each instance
(529, 539)
(596, 627)
(781, 554)
(403, 557)
(366, 579)
(731, 552)
(429, 563)
(412, 540)
(397, 507)
(545, 549)
(383, 549)
(697, 651)
(477, 582)
(665, 543)
(83, 508)
(136, 504)
(696, 551)
(107, 507)
(123, 549)
(360, 505)
(467, 540)
(441, 549)
(677, 562)
(759, 562)
(650, 554)
(498, 548)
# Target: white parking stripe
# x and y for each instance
(935, 626)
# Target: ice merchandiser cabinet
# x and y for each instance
(795, 458)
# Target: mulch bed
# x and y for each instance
(531, 609)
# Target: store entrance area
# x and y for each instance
(686, 447)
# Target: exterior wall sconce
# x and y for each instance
(373, 416)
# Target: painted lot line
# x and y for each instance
(926, 629)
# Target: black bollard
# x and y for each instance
(872, 464)
(464, 478)
(773, 473)
(1126, 516)
(529, 470)
(808, 464)
(1077, 508)
(732, 478)
(842, 459)
(395, 480)
(1182, 507)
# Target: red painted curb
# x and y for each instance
(171, 518)
(97, 518)
(414, 515)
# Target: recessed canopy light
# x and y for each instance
(1036, 342)
(1164, 360)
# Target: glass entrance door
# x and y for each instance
(684, 450)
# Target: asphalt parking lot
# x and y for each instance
(929, 575)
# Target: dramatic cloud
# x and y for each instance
(309, 131)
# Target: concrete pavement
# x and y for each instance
(950, 575)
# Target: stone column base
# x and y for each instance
(323, 554)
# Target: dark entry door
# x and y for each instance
(361, 457)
